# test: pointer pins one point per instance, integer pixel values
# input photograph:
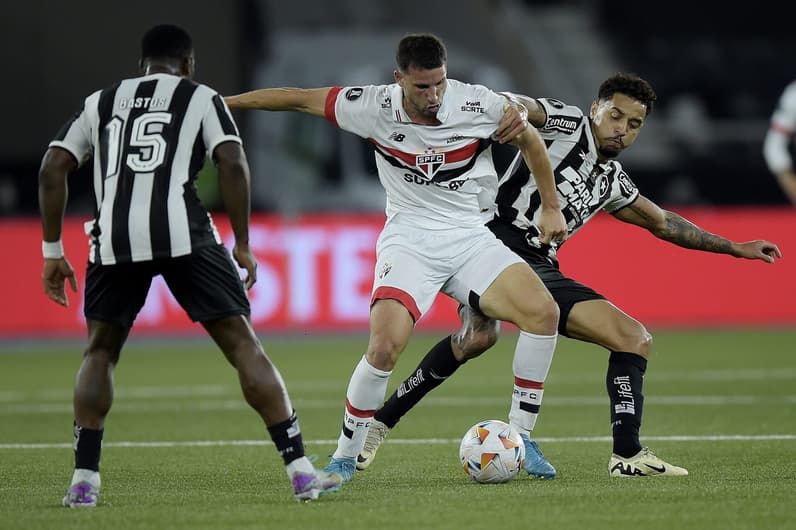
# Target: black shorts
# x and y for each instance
(566, 291)
(205, 283)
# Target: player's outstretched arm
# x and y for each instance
(552, 225)
(311, 101)
(672, 227)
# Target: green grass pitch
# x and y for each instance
(183, 451)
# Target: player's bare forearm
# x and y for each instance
(234, 184)
(686, 234)
(310, 101)
(671, 227)
(52, 202)
(552, 225)
(53, 191)
(535, 155)
(235, 194)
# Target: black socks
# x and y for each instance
(624, 381)
(436, 366)
(88, 446)
(287, 438)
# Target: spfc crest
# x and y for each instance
(429, 164)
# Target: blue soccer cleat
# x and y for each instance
(344, 467)
(535, 462)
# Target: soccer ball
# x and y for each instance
(492, 452)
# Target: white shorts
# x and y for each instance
(413, 264)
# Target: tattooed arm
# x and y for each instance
(671, 227)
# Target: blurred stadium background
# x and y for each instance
(317, 201)
(183, 449)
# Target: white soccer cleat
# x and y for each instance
(643, 464)
(377, 432)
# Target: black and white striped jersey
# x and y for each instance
(149, 137)
(584, 185)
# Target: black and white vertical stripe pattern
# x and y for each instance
(584, 186)
(149, 137)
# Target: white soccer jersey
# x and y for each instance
(149, 137)
(584, 186)
(778, 145)
(433, 175)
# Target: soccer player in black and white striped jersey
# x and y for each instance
(582, 150)
(149, 137)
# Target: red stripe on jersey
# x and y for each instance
(357, 412)
(781, 129)
(391, 293)
(331, 99)
(526, 383)
(456, 155)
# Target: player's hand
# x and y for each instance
(245, 259)
(552, 227)
(54, 276)
(758, 249)
(513, 122)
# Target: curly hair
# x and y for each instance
(422, 50)
(630, 85)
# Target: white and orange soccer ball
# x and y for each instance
(492, 452)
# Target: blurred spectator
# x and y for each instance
(778, 147)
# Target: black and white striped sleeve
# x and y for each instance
(75, 136)
(218, 126)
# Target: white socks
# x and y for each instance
(86, 475)
(299, 465)
(365, 394)
(532, 357)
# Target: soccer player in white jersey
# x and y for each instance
(780, 142)
(582, 149)
(149, 137)
(432, 139)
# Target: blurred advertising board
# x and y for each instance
(315, 275)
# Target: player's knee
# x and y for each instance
(638, 341)
(645, 342)
(540, 317)
(383, 352)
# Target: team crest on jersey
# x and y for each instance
(385, 270)
(603, 187)
(430, 163)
